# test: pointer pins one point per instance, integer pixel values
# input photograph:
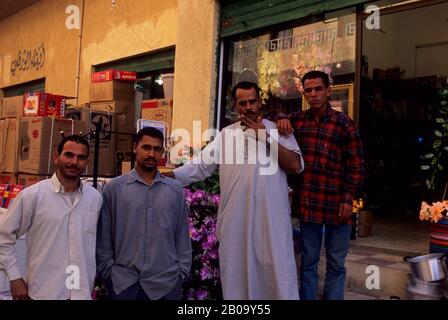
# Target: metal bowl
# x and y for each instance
(430, 267)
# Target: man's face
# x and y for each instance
(148, 152)
(73, 160)
(248, 103)
(316, 93)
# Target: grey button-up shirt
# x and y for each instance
(143, 234)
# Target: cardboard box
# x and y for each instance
(27, 180)
(365, 222)
(158, 109)
(12, 107)
(107, 147)
(8, 178)
(123, 157)
(39, 139)
(124, 143)
(115, 106)
(109, 75)
(81, 114)
(43, 104)
(9, 144)
(112, 90)
(125, 167)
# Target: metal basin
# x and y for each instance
(430, 267)
(435, 288)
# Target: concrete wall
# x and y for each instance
(40, 25)
(110, 33)
(195, 67)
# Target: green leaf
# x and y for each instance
(425, 167)
(438, 133)
(429, 155)
(440, 120)
(437, 144)
(428, 184)
(440, 167)
(446, 148)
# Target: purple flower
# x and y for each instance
(209, 221)
(206, 273)
(198, 196)
(201, 294)
(213, 254)
(188, 195)
(210, 243)
(215, 199)
(203, 230)
(194, 234)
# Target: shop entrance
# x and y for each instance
(403, 66)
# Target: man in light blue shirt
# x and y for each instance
(143, 243)
(59, 216)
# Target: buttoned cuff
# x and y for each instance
(13, 273)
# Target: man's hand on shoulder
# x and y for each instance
(284, 127)
(19, 289)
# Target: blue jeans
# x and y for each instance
(337, 240)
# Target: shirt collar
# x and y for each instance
(328, 112)
(133, 176)
(58, 187)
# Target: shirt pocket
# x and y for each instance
(88, 221)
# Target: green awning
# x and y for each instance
(20, 89)
(238, 16)
(144, 63)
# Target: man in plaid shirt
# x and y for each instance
(334, 169)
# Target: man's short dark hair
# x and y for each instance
(76, 138)
(246, 85)
(314, 74)
(149, 131)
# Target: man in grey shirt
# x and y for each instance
(143, 243)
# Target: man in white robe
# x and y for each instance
(254, 230)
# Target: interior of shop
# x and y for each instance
(403, 66)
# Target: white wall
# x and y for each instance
(395, 43)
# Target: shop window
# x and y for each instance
(151, 84)
(277, 59)
(20, 89)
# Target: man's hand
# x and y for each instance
(284, 127)
(345, 211)
(19, 289)
(169, 174)
(251, 124)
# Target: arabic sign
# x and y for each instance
(28, 59)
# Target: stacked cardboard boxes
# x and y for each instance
(12, 107)
(38, 142)
(107, 165)
(112, 93)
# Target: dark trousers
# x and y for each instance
(136, 292)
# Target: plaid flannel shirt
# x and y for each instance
(334, 165)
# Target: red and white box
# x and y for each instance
(110, 75)
(43, 104)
